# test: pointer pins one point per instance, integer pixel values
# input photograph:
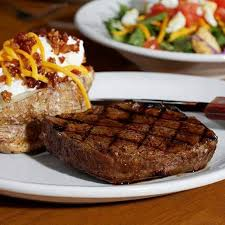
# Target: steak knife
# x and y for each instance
(213, 110)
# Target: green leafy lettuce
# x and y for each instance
(137, 38)
(219, 35)
(182, 44)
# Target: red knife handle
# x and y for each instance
(216, 109)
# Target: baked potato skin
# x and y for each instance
(20, 126)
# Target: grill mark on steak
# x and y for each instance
(178, 128)
(169, 128)
(138, 140)
(157, 112)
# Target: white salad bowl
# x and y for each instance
(90, 21)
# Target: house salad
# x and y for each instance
(192, 26)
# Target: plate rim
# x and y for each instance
(112, 191)
(158, 54)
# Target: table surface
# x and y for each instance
(202, 206)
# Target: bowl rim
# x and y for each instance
(80, 21)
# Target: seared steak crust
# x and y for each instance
(129, 142)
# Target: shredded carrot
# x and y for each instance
(182, 32)
(125, 31)
(203, 23)
(141, 17)
(156, 23)
(221, 24)
(145, 30)
(163, 30)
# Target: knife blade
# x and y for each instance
(213, 110)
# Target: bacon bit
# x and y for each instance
(15, 62)
(14, 71)
(32, 83)
(41, 70)
(51, 60)
(6, 96)
(25, 43)
(65, 37)
(40, 85)
(62, 59)
(37, 58)
(76, 72)
(53, 78)
(69, 48)
(89, 68)
(59, 44)
(74, 48)
(2, 79)
(13, 67)
(63, 79)
(26, 63)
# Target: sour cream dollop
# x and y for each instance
(71, 58)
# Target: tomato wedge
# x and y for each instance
(152, 44)
(160, 8)
(157, 8)
(220, 12)
(220, 3)
(189, 10)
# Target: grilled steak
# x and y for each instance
(129, 142)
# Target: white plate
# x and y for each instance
(42, 177)
(90, 20)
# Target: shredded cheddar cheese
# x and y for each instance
(24, 72)
(1, 57)
(81, 69)
(34, 48)
(9, 50)
(145, 30)
(162, 32)
(31, 61)
(39, 44)
(7, 74)
(73, 77)
(10, 53)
